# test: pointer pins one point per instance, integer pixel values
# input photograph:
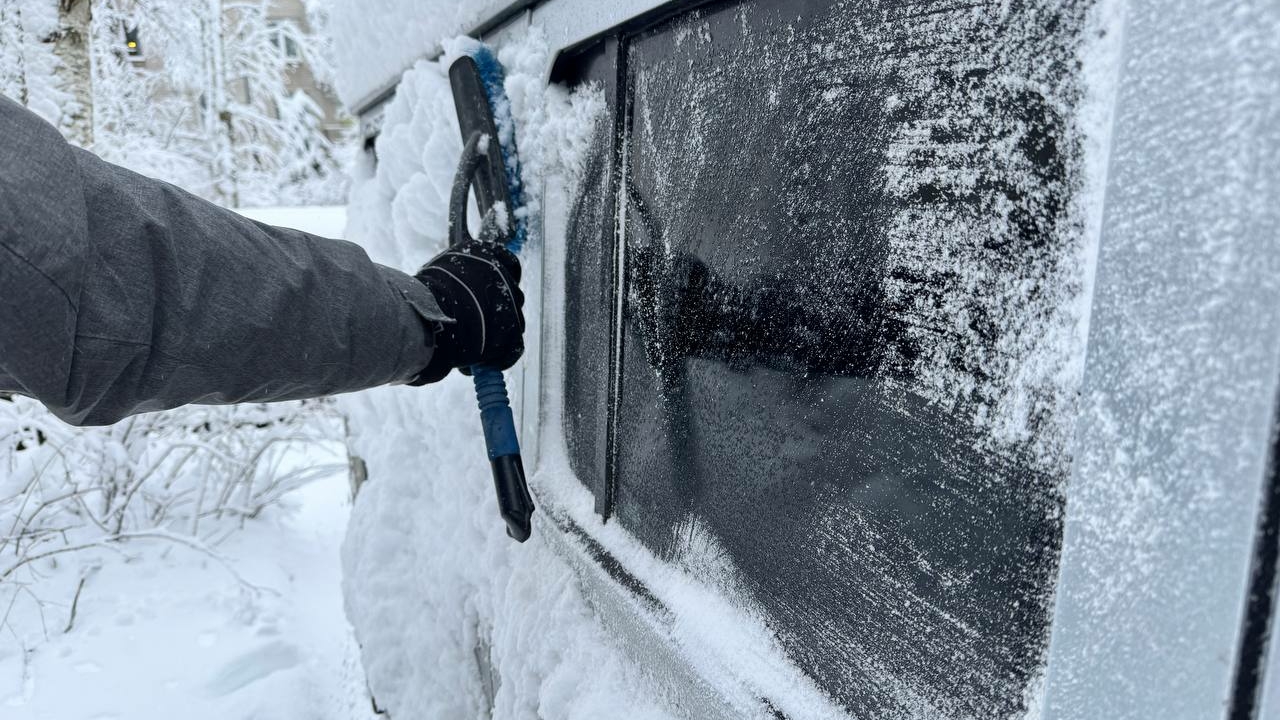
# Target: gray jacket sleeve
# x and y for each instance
(120, 294)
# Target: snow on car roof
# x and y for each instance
(377, 40)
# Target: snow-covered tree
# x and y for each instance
(202, 98)
(276, 136)
(146, 98)
(28, 61)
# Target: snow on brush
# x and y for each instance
(455, 619)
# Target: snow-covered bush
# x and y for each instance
(189, 477)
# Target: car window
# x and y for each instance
(841, 383)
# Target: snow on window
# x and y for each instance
(854, 260)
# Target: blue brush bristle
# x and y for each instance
(492, 76)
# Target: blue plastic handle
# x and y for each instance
(514, 503)
(495, 412)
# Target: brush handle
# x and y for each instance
(514, 503)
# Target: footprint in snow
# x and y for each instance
(253, 666)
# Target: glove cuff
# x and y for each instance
(444, 355)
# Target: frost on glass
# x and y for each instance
(854, 267)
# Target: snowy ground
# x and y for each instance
(170, 632)
(176, 635)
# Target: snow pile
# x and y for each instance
(453, 617)
(380, 39)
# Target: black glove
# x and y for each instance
(476, 284)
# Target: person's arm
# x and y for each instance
(121, 294)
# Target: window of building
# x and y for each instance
(132, 43)
(284, 35)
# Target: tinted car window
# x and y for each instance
(842, 389)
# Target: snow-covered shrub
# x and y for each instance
(190, 477)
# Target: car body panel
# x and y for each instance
(1180, 389)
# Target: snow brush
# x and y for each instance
(491, 167)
